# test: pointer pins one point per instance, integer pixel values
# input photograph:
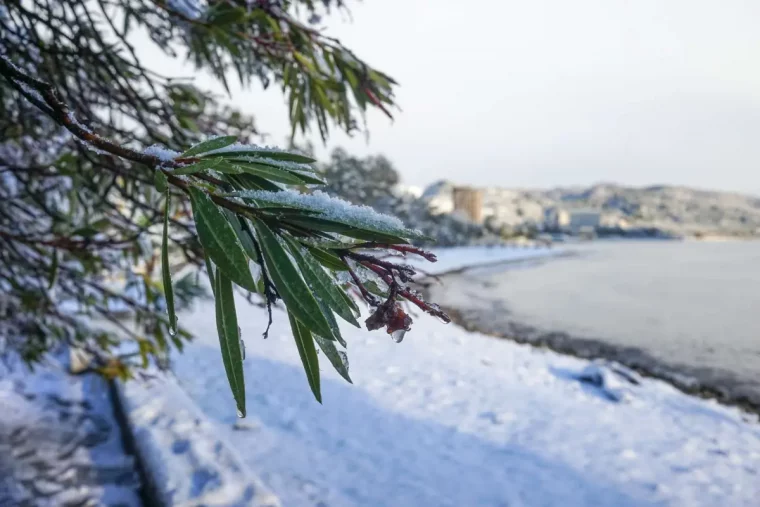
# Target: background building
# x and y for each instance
(469, 201)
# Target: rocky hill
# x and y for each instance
(671, 209)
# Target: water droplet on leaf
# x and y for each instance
(240, 414)
(398, 335)
(242, 348)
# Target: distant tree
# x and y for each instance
(114, 180)
(360, 180)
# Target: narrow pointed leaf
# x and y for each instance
(223, 166)
(159, 181)
(311, 179)
(333, 322)
(249, 181)
(320, 287)
(320, 282)
(268, 173)
(197, 167)
(358, 231)
(229, 339)
(308, 353)
(335, 215)
(288, 282)
(165, 273)
(254, 151)
(287, 165)
(242, 232)
(53, 275)
(209, 145)
(210, 272)
(350, 301)
(219, 240)
(328, 260)
(337, 358)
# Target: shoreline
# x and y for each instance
(630, 357)
(684, 377)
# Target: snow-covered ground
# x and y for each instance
(186, 461)
(449, 417)
(456, 258)
(60, 444)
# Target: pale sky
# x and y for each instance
(540, 93)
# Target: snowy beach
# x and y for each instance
(450, 417)
(683, 311)
(447, 417)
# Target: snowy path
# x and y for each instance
(455, 418)
(60, 444)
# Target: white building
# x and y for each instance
(573, 221)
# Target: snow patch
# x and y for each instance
(240, 147)
(451, 418)
(59, 441)
(160, 152)
(186, 460)
(191, 9)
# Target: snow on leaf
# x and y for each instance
(331, 208)
(213, 143)
(191, 9)
(260, 151)
(162, 153)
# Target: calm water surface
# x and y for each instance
(693, 307)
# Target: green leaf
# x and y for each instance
(369, 233)
(374, 288)
(327, 259)
(350, 302)
(225, 167)
(288, 282)
(224, 14)
(263, 153)
(308, 354)
(166, 274)
(53, 269)
(209, 145)
(243, 233)
(352, 221)
(159, 180)
(268, 172)
(286, 165)
(210, 273)
(197, 167)
(250, 181)
(321, 283)
(229, 339)
(161, 339)
(312, 179)
(219, 240)
(337, 358)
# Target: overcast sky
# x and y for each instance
(539, 93)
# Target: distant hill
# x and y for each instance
(673, 209)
